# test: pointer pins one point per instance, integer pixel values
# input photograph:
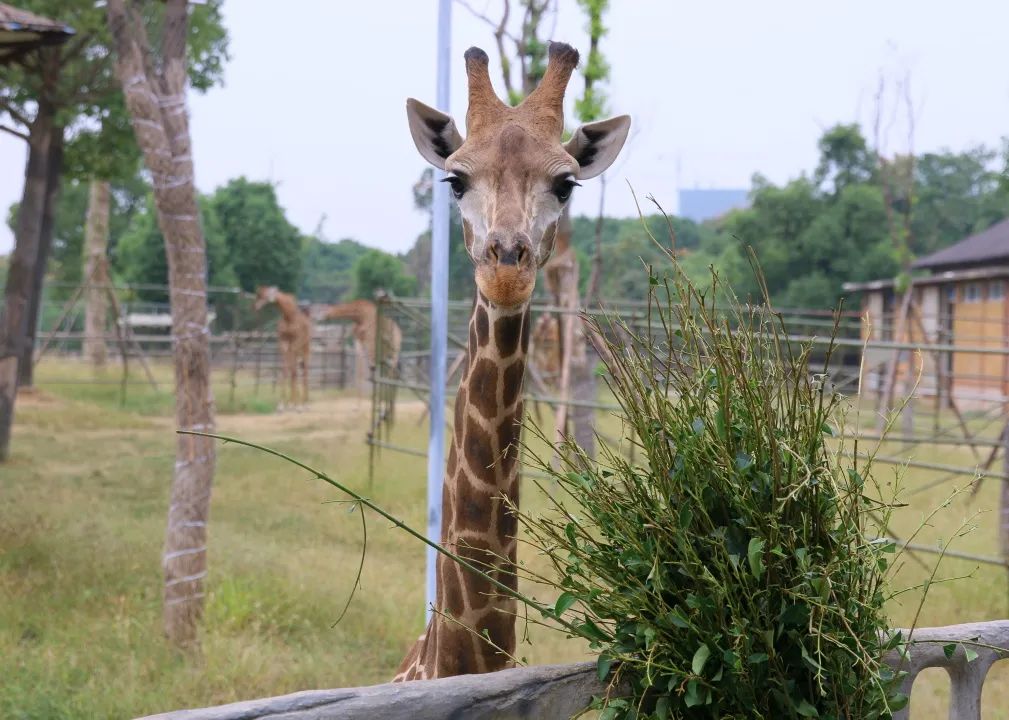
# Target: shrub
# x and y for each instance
(734, 570)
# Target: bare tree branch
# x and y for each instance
(7, 107)
(15, 133)
(500, 29)
(72, 48)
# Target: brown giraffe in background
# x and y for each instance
(511, 177)
(364, 315)
(294, 335)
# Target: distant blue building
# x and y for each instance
(701, 205)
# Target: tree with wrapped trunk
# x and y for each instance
(154, 87)
(96, 273)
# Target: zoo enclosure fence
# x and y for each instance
(243, 344)
(958, 390)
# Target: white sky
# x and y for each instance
(314, 95)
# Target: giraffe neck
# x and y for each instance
(288, 307)
(358, 310)
(477, 525)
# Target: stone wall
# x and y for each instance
(555, 692)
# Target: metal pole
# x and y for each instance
(439, 321)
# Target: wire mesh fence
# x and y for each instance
(952, 425)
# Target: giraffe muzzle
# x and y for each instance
(507, 273)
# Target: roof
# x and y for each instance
(940, 278)
(986, 247)
(21, 31)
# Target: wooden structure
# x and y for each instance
(960, 308)
(22, 31)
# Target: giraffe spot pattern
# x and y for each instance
(454, 603)
(512, 386)
(473, 509)
(526, 322)
(499, 626)
(507, 436)
(505, 520)
(478, 552)
(507, 331)
(478, 451)
(483, 388)
(482, 324)
(460, 415)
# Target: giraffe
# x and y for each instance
(511, 177)
(364, 314)
(294, 335)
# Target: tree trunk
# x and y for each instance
(21, 271)
(96, 242)
(576, 379)
(156, 100)
(54, 174)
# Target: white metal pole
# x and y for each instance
(439, 320)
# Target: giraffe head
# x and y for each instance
(512, 175)
(264, 296)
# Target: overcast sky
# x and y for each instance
(314, 95)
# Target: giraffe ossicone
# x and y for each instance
(511, 176)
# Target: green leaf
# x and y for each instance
(610, 713)
(662, 708)
(827, 429)
(754, 553)
(677, 619)
(591, 631)
(686, 515)
(971, 654)
(897, 701)
(700, 657)
(603, 666)
(693, 695)
(807, 710)
(757, 658)
(564, 602)
(949, 649)
(569, 531)
(743, 461)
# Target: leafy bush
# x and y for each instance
(733, 571)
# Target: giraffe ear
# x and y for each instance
(595, 146)
(434, 132)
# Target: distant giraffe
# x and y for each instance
(364, 314)
(294, 335)
(511, 177)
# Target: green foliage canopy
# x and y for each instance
(264, 248)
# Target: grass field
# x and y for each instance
(81, 527)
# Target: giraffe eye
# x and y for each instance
(458, 183)
(563, 185)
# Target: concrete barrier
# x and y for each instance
(555, 692)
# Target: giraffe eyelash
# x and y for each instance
(459, 184)
(563, 185)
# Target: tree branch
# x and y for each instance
(72, 48)
(5, 105)
(500, 33)
(173, 38)
(84, 88)
(15, 133)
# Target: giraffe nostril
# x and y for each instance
(521, 253)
